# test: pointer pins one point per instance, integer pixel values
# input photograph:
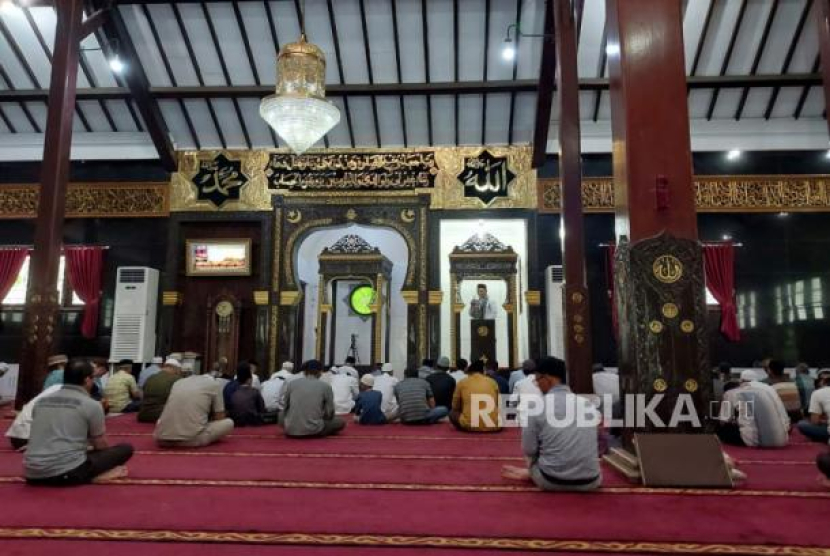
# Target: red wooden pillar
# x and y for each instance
(824, 49)
(577, 308)
(663, 346)
(41, 317)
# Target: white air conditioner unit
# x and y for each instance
(554, 292)
(134, 318)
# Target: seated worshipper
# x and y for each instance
(309, 405)
(99, 370)
(148, 371)
(460, 372)
(524, 392)
(367, 407)
(327, 375)
(247, 408)
(4, 368)
(348, 368)
(221, 371)
(753, 415)
(816, 429)
(722, 377)
(528, 366)
(607, 387)
(786, 389)
(426, 368)
(121, 392)
(385, 384)
(256, 382)
(345, 389)
(194, 414)
(491, 369)
(805, 383)
(561, 452)
(288, 372)
(475, 404)
(18, 433)
(55, 364)
(416, 405)
(823, 464)
(272, 390)
(443, 385)
(65, 424)
(157, 391)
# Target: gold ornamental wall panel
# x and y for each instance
(455, 178)
(91, 200)
(809, 193)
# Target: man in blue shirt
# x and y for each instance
(367, 407)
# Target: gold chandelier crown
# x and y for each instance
(301, 67)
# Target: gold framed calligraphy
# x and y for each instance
(218, 257)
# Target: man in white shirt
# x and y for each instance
(348, 368)
(606, 384)
(460, 372)
(525, 389)
(528, 368)
(287, 372)
(346, 390)
(385, 384)
(18, 433)
(753, 415)
(817, 428)
(271, 392)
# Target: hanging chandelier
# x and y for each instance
(299, 111)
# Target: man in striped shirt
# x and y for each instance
(416, 401)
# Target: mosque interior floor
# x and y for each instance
(399, 491)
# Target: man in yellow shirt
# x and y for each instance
(475, 403)
(121, 391)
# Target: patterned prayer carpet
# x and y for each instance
(399, 491)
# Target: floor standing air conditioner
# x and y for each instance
(134, 319)
(554, 290)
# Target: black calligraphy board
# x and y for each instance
(486, 177)
(219, 180)
(352, 171)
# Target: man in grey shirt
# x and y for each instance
(64, 425)
(309, 405)
(194, 414)
(560, 444)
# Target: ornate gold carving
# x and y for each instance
(261, 297)
(687, 326)
(667, 268)
(670, 310)
(712, 194)
(660, 385)
(410, 296)
(351, 214)
(294, 216)
(533, 298)
(436, 297)
(691, 385)
(408, 215)
(289, 246)
(289, 298)
(483, 331)
(577, 298)
(171, 299)
(655, 326)
(91, 200)
(253, 196)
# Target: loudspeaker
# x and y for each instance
(682, 460)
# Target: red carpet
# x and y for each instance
(401, 492)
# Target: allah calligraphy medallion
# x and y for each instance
(486, 177)
(667, 268)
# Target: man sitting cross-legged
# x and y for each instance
(65, 424)
(157, 390)
(416, 403)
(194, 414)
(475, 404)
(367, 408)
(247, 408)
(561, 451)
(308, 404)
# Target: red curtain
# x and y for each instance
(11, 261)
(719, 265)
(85, 266)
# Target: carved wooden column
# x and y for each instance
(41, 326)
(658, 268)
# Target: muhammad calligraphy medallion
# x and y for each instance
(667, 268)
(219, 180)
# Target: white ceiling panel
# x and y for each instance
(176, 124)
(814, 106)
(204, 48)
(202, 123)
(18, 118)
(724, 19)
(410, 35)
(497, 119)
(381, 40)
(339, 136)
(469, 119)
(503, 14)
(699, 103)
(727, 103)
(440, 22)
(318, 30)
(807, 50)
(781, 35)
(22, 34)
(389, 121)
(415, 112)
(263, 49)
(174, 46)
(257, 128)
(471, 34)
(363, 121)
(693, 24)
(529, 53)
(95, 115)
(749, 37)
(229, 123)
(590, 40)
(756, 102)
(352, 46)
(524, 117)
(786, 102)
(231, 45)
(443, 120)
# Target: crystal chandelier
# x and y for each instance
(299, 111)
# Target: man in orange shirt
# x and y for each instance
(475, 403)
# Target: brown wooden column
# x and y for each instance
(663, 346)
(577, 308)
(42, 310)
(824, 49)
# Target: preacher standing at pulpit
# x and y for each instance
(481, 307)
